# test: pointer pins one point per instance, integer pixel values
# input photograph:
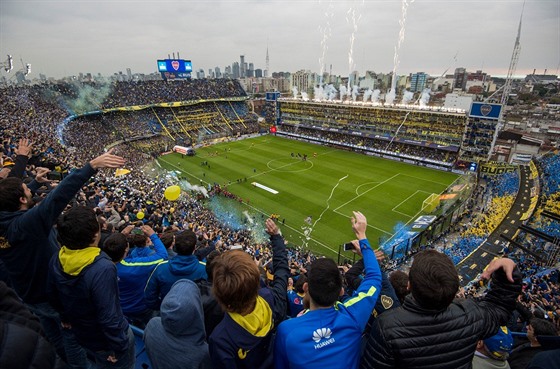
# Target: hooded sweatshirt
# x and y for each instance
(28, 241)
(176, 339)
(83, 288)
(169, 272)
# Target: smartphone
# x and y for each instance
(348, 246)
(137, 230)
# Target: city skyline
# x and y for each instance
(105, 37)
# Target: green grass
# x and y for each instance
(386, 191)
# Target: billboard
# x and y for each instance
(174, 68)
(485, 111)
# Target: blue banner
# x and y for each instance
(485, 111)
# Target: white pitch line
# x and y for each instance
(369, 225)
(292, 228)
(360, 195)
(405, 200)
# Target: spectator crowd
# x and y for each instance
(86, 254)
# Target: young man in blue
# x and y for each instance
(328, 335)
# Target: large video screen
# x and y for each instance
(174, 65)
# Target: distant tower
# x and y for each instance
(242, 68)
(513, 63)
(267, 62)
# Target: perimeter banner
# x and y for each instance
(495, 168)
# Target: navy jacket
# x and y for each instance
(169, 272)
(231, 345)
(28, 241)
(89, 301)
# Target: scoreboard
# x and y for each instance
(174, 68)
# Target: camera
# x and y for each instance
(348, 246)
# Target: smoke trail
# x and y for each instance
(396, 61)
(326, 35)
(351, 14)
(294, 92)
(318, 93)
(407, 97)
(88, 97)
(375, 96)
(330, 92)
(354, 93)
(367, 95)
(425, 97)
(343, 92)
(308, 230)
(186, 186)
(304, 96)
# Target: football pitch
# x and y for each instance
(314, 198)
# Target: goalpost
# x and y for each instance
(431, 203)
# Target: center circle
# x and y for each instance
(289, 165)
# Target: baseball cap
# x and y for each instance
(499, 346)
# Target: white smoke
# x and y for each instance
(390, 97)
(186, 186)
(407, 97)
(343, 92)
(367, 94)
(425, 98)
(318, 93)
(294, 92)
(354, 93)
(375, 96)
(304, 96)
(330, 92)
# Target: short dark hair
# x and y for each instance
(236, 281)
(324, 282)
(185, 242)
(77, 227)
(543, 327)
(434, 281)
(210, 261)
(11, 190)
(399, 281)
(138, 240)
(298, 286)
(115, 246)
(167, 238)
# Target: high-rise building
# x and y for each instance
(418, 81)
(258, 73)
(129, 74)
(235, 70)
(200, 74)
(243, 66)
(460, 79)
(217, 72)
(303, 80)
(227, 71)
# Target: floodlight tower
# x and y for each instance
(507, 85)
(513, 63)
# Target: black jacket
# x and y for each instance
(22, 343)
(413, 337)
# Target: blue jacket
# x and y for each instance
(237, 343)
(28, 240)
(330, 338)
(169, 272)
(83, 288)
(133, 273)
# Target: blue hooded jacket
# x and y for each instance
(169, 272)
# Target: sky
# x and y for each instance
(62, 38)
